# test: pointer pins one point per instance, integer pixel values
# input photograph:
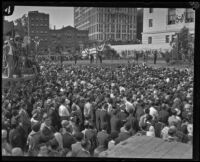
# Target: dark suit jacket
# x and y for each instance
(115, 124)
(68, 140)
(122, 116)
(102, 138)
(92, 137)
(139, 112)
(134, 124)
(122, 136)
(17, 137)
(104, 118)
(163, 116)
(98, 121)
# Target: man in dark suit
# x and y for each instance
(125, 134)
(115, 122)
(76, 147)
(104, 117)
(122, 115)
(139, 111)
(98, 122)
(103, 136)
(91, 135)
(163, 115)
(133, 122)
(68, 139)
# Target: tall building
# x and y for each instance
(38, 28)
(107, 23)
(67, 39)
(160, 25)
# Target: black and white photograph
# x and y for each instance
(100, 82)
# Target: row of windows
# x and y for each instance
(111, 36)
(39, 24)
(43, 39)
(167, 38)
(39, 18)
(111, 28)
(37, 31)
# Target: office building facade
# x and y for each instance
(107, 23)
(160, 25)
(38, 28)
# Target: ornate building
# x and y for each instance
(160, 25)
(67, 39)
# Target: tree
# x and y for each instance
(183, 45)
(21, 25)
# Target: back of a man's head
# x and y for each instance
(79, 136)
(104, 126)
(17, 151)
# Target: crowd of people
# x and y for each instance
(82, 110)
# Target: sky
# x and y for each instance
(58, 16)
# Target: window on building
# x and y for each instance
(150, 22)
(167, 39)
(150, 10)
(171, 16)
(112, 28)
(118, 35)
(173, 37)
(189, 15)
(149, 40)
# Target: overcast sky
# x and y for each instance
(59, 16)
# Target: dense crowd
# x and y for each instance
(82, 110)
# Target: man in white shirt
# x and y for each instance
(153, 112)
(128, 105)
(87, 109)
(63, 111)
